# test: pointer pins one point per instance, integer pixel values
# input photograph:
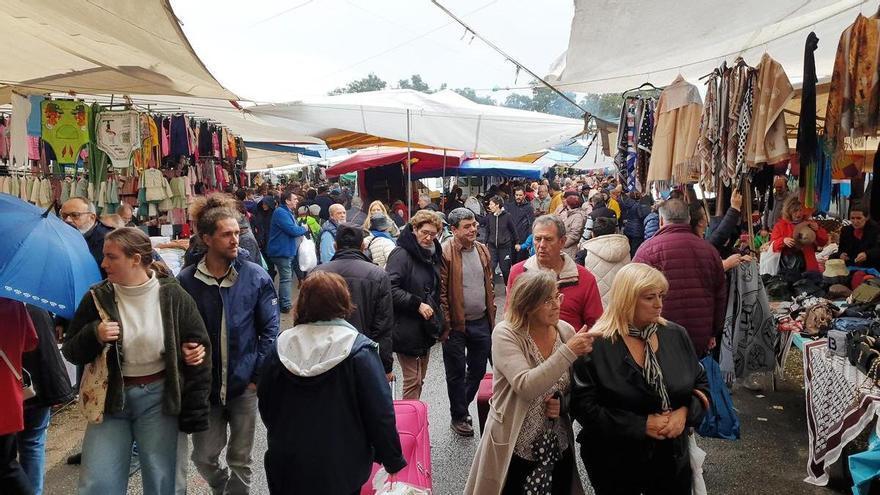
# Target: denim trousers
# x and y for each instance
(285, 281)
(240, 416)
(32, 445)
(107, 445)
(465, 356)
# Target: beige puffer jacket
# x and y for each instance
(606, 255)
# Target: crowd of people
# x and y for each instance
(588, 270)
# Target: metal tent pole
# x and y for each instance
(408, 164)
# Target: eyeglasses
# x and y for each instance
(427, 233)
(74, 214)
(558, 299)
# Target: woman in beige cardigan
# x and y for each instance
(532, 352)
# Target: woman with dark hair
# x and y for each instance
(145, 317)
(414, 269)
(325, 400)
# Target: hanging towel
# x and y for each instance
(66, 128)
(21, 109)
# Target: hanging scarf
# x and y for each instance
(653, 373)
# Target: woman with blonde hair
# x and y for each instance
(378, 208)
(638, 391)
(532, 351)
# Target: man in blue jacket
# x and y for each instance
(282, 246)
(237, 301)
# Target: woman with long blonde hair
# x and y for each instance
(640, 389)
(377, 207)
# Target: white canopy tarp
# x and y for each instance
(616, 45)
(443, 120)
(100, 47)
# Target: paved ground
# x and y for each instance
(770, 458)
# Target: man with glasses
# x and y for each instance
(581, 304)
(467, 297)
(80, 214)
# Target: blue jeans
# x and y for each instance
(107, 445)
(32, 445)
(464, 372)
(285, 281)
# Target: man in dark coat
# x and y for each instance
(697, 295)
(324, 200)
(523, 215)
(80, 214)
(370, 290)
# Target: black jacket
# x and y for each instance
(523, 215)
(500, 230)
(325, 431)
(868, 244)
(611, 400)
(95, 241)
(324, 201)
(45, 364)
(370, 290)
(415, 279)
(725, 232)
(261, 220)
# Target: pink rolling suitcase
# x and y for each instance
(412, 426)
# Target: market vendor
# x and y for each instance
(859, 240)
(790, 243)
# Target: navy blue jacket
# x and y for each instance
(283, 232)
(325, 431)
(633, 214)
(252, 320)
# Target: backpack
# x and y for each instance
(720, 420)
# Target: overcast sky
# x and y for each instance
(270, 50)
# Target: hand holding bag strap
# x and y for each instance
(101, 313)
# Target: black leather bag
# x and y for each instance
(792, 262)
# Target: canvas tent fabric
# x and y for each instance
(476, 167)
(697, 36)
(101, 46)
(423, 160)
(444, 120)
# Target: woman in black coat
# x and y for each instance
(638, 392)
(501, 236)
(414, 270)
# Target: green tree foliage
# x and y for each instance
(415, 82)
(470, 94)
(369, 83)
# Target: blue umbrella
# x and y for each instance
(43, 261)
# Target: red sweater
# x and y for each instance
(784, 228)
(16, 337)
(582, 304)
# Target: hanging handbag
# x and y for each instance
(24, 378)
(95, 378)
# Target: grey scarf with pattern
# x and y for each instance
(652, 372)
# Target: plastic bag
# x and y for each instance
(769, 264)
(306, 255)
(697, 457)
(385, 487)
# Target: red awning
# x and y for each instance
(422, 160)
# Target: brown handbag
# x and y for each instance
(95, 379)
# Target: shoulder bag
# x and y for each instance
(24, 378)
(95, 379)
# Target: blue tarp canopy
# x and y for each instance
(480, 168)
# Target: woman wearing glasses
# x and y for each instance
(532, 352)
(639, 391)
(414, 269)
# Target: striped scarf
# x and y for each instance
(653, 373)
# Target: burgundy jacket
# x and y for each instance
(697, 297)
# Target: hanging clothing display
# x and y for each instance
(807, 137)
(767, 142)
(635, 139)
(855, 90)
(65, 126)
(676, 131)
(749, 340)
(119, 134)
(709, 144)
(18, 142)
